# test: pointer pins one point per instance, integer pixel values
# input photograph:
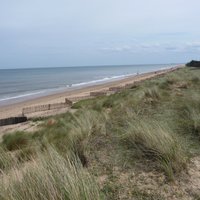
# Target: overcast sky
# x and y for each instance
(56, 33)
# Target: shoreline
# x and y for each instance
(52, 91)
(15, 109)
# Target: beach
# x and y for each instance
(15, 109)
(137, 126)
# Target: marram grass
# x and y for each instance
(50, 176)
(156, 142)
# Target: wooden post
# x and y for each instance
(68, 102)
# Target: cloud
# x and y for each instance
(184, 47)
(193, 44)
(155, 47)
(134, 48)
(149, 45)
(117, 48)
(171, 48)
(172, 34)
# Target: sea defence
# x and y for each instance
(98, 93)
(12, 120)
(46, 107)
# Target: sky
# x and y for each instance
(58, 33)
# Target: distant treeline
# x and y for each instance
(193, 63)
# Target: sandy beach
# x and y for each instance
(16, 109)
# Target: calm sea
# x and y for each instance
(19, 84)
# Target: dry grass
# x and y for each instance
(156, 123)
(83, 127)
(50, 176)
(6, 160)
(154, 141)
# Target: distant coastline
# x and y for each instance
(27, 84)
(15, 108)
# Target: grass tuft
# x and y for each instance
(17, 140)
(195, 80)
(156, 123)
(152, 94)
(50, 177)
(6, 160)
(155, 142)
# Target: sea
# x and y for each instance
(17, 85)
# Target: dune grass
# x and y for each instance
(16, 140)
(157, 121)
(6, 160)
(50, 176)
(152, 140)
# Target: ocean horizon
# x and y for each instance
(17, 85)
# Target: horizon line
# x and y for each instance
(90, 66)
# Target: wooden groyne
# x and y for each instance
(116, 89)
(46, 107)
(12, 120)
(79, 98)
(98, 93)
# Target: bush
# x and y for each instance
(193, 63)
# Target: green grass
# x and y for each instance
(150, 139)
(6, 160)
(16, 140)
(50, 176)
(156, 122)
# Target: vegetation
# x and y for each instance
(50, 176)
(16, 141)
(99, 151)
(193, 63)
(148, 138)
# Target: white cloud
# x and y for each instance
(117, 48)
(88, 30)
(193, 44)
(155, 47)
